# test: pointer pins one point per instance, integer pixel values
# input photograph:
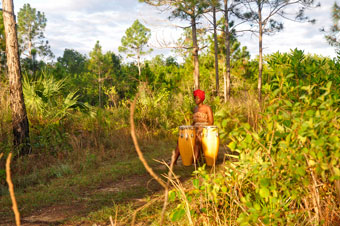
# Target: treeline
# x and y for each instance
(102, 80)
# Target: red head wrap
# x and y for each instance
(199, 93)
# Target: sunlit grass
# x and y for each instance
(67, 182)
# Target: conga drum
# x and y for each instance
(210, 144)
(186, 143)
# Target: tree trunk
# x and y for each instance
(259, 85)
(138, 65)
(227, 85)
(99, 89)
(195, 53)
(216, 51)
(19, 115)
(30, 49)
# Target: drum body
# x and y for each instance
(210, 144)
(186, 143)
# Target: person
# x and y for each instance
(202, 116)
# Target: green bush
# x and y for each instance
(286, 167)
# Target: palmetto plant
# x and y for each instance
(45, 97)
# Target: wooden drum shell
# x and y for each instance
(186, 143)
(210, 144)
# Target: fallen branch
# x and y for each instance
(11, 190)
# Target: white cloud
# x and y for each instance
(78, 24)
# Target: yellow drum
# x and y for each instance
(210, 144)
(186, 143)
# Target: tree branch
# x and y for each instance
(11, 190)
(135, 142)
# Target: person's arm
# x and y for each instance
(210, 116)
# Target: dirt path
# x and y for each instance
(59, 213)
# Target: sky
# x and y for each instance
(78, 24)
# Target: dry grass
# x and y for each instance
(246, 104)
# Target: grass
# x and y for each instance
(83, 182)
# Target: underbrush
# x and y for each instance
(285, 168)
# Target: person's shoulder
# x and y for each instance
(207, 106)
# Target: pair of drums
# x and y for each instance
(210, 144)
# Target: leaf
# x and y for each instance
(279, 127)
(232, 145)
(196, 183)
(336, 171)
(248, 139)
(224, 123)
(275, 92)
(324, 166)
(311, 162)
(257, 206)
(301, 171)
(288, 103)
(264, 192)
(172, 196)
(264, 182)
(309, 113)
(246, 126)
(178, 214)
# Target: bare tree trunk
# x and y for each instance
(227, 87)
(195, 53)
(259, 85)
(138, 65)
(19, 116)
(216, 51)
(99, 89)
(30, 49)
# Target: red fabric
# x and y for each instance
(199, 93)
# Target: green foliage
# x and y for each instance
(44, 98)
(162, 73)
(301, 69)
(189, 9)
(158, 110)
(135, 39)
(47, 107)
(281, 163)
(72, 62)
(31, 26)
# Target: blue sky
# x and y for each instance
(78, 24)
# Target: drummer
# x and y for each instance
(202, 116)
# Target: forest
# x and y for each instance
(88, 139)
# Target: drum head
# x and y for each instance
(186, 127)
(210, 127)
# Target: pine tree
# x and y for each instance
(134, 42)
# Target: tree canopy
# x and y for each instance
(31, 27)
(134, 42)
